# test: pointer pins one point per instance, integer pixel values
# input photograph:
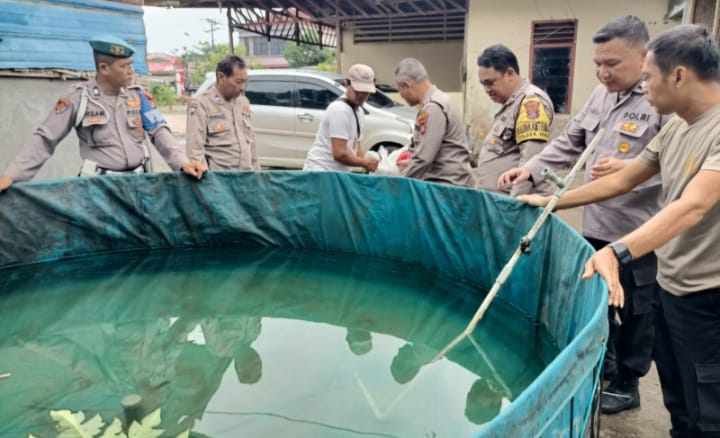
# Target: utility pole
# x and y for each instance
(214, 26)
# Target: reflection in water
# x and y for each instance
(359, 341)
(484, 401)
(409, 359)
(263, 342)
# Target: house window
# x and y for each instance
(260, 46)
(706, 13)
(277, 47)
(552, 60)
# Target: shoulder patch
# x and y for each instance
(421, 121)
(62, 105)
(151, 117)
(533, 121)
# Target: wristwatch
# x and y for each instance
(622, 252)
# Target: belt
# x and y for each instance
(91, 168)
(103, 171)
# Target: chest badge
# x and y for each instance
(624, 148)
(630, 127)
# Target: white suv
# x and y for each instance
(289, 104)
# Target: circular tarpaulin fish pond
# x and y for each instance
(289, 304)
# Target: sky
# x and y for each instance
(169, 30)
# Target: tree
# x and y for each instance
(203, 58)
(302, 55)
(164, 94)
(329, 64)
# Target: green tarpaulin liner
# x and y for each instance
(460, 232)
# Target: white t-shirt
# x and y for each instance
(338, 122)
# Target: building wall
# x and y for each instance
(26, 103)
(442, 58)
(491, 22)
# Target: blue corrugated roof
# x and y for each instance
(55, 33)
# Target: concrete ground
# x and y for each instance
(176, 119)
(651, 420)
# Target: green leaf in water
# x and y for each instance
(114, 430)
(147, 427)
(71, 425)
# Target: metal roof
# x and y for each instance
(330, 10)
(54, 34)
(316, 21)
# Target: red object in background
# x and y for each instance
(161, 64)
(404, 155)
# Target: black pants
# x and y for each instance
(630, 344)
(687, 354)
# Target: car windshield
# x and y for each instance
(377, 99)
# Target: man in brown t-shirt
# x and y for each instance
(682, 73)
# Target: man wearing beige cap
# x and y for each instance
(337, 142)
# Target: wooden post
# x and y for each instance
(338, 38)
(338, 45)
(688, 14)
(230, 31)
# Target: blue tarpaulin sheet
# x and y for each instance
(54, 34)
(461, 232)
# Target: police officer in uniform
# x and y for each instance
(522, 126)
(114, 121)
(620, 107)
(219, 130)
(439, 147)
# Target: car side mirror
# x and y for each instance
(365, 110)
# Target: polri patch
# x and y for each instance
(62, 105)
(421, 122)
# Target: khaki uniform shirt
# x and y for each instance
(519, 131)
(629, 123)
(113, 132)
(439, 146)
(220, 133)
(689, 262)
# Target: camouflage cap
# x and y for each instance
(111, 46)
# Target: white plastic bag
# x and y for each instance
(388, 162)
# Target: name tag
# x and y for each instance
(640, 117)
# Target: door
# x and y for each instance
(273, 109)
(313, 99)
